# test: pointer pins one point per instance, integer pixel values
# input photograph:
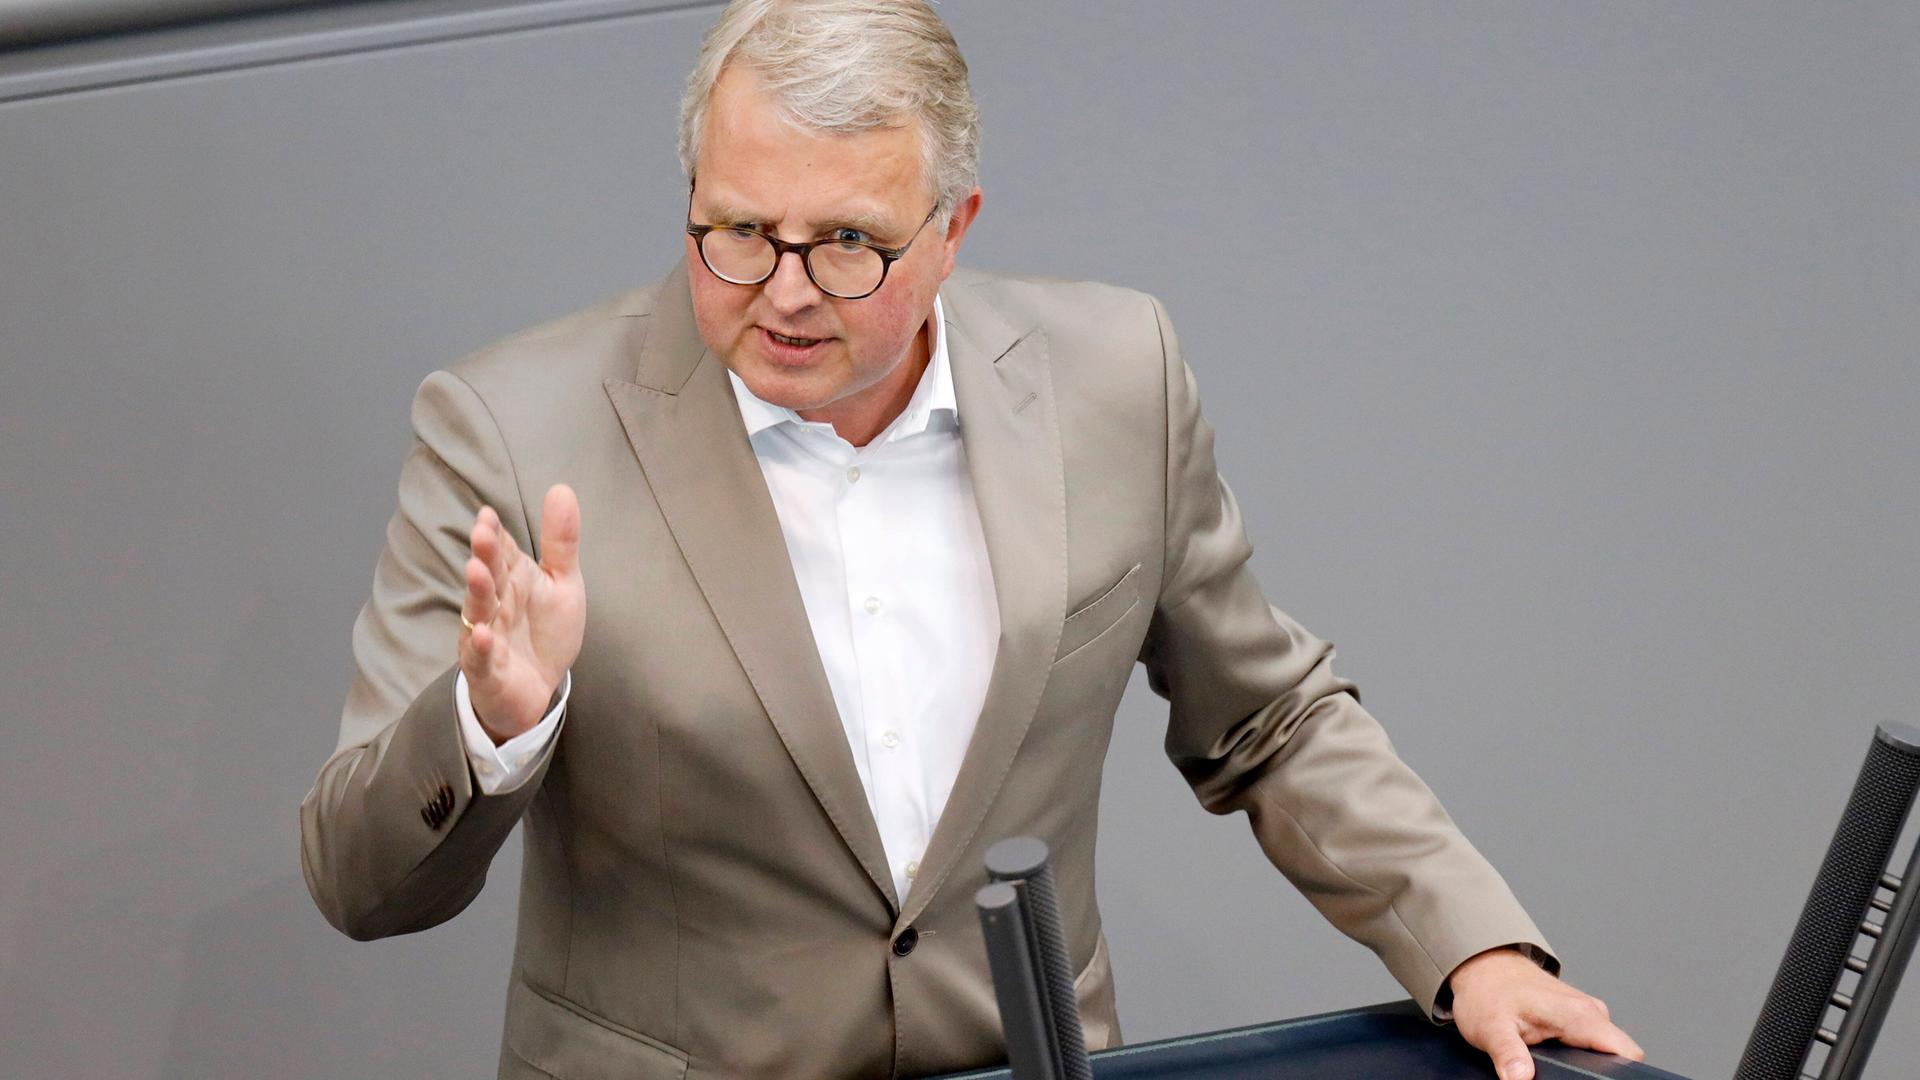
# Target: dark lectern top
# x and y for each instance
(1381, 1042)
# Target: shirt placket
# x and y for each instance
(874, 594)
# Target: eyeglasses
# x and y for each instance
(847, 269)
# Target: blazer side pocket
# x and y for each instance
(1099, 615)
(564, 1040)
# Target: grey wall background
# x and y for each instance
(1563, 357)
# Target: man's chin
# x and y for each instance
(798, 389)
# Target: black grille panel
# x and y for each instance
(1830, 923)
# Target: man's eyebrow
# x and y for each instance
(871, 223)
(728, 214)
(867, 222)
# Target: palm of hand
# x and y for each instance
(529, 617)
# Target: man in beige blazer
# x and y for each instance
(704, 890)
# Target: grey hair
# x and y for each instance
(843, 66)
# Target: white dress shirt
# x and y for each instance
(892, 567)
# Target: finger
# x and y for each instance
(489, 542)
(1509, 1053)
(480, 540)
(482, 644)
(479, 603)
(476, 608)
(492, 649)
(507, 544)
(560, 531)
(1591, 1030)
(514, 564)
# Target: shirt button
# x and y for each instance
(913, 869)
(890, 739)
(853, 475)
(873, 605)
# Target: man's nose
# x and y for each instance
(790, 289)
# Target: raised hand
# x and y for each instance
(528, 617)
(1503, 1003)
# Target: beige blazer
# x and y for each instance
(703, 891)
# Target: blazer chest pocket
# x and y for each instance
(563, 1040)
(1100, 614)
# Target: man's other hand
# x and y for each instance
(1503, 1003)
(528, 617)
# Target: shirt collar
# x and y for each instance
(932, 395)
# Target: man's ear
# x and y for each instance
(958, 222)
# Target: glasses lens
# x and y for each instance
(741, 256)
(846, 270)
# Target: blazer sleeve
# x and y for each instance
(396, 834)
(1259, 722)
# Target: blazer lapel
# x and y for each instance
(1012, 437)
(684, 425)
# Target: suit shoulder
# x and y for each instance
(534, 386)
(1056, 301)
(1093, 328)
(594, 342)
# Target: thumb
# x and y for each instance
(1511, 1060)
(560, 531)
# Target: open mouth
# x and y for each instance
(790, 349)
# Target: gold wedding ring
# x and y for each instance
(465, 622)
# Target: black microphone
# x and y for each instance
(1027, 953)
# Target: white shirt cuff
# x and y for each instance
(506, 766)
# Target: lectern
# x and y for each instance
(1860, 923)
(1038, 1010)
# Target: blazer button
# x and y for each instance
(439, 806)
(904, 944)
